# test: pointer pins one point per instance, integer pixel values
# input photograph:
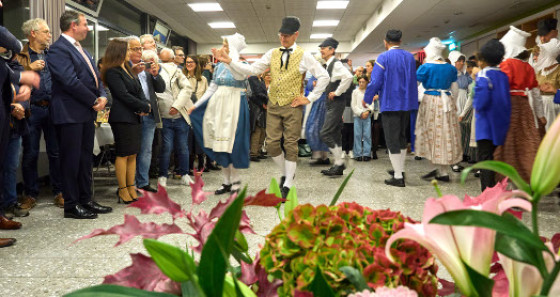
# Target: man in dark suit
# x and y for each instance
(152, 83)
(77, 94)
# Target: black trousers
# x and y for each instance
(485, 151)
(4, 139)
(348, 137)
(331, 132)
(395, 126)
(76, 155)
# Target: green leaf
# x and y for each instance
(191, 289)
(274, 188)
(355, 277)
(292, 201)
(521, 252)
(501, 168)
(173, 261)
(235, 288)
(319, 285)
(506, 224)
(241, 241)
(481, 283)
(341, 188)
(241, 256)
(215, 254)
(115, 291)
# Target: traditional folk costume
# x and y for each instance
(523, 138)
(547, 73)
(314, 124)
(287, 67)
(394, 79)
(463, 110)
(221, 119)
(331, 132)
(438, 137)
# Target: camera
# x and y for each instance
(148, 65)
(344, 61)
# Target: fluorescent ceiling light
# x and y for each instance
(320, 35)
(332, 4)
(99, 28)
(221, 25)
(325, 23)
(206, 7)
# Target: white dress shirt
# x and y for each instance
(340, 72)
(308, 63)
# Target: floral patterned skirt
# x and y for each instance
(438, 137)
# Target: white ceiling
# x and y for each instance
(259, 20)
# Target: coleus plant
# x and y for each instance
(171, 271)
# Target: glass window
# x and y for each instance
(15, 12)
(89, 42)
(105, 35)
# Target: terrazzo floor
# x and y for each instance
(45, 262)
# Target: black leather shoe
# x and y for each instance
(149, 189)
(395, 182)
(392, 173)
(254, 159)
(282, 181)
(285, 191)
(444, 178)
(79, 212)
(96, 207)
(321, 162)
(417, 158)
(359, 159)
(366, 159)
(477, 173)
(223, 189)
(374, 156)
(335, 170)
(430, 175)
(262, 157)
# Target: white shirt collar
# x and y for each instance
(329, 61)
(69, 38)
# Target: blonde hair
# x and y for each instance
(32, 25)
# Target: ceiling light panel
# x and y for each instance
(221, 25)
(325, 23)
(332, 4)
(199, 7)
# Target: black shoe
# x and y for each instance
(366, 159)
(477, 173)
(79, 212)
(417, 158)
(285, 191)
(444, 178)
(359, 159)
(223, 189)
(15, 211)
(149, 189)
(254, 159)
(282, 181)
(96, 207)
(321, 162)
(262, 157)
(374, 156)
(430, 175)
(212, 166)
(457, 168)
(335, 170)
(392, 173)
(395, 182)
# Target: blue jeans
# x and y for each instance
(175, 133)
(40, 121)
(362, 131)
(11, 163)
(144, 157)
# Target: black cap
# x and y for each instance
(546, 25)
(329, 42)
(290, 25)
(393, 36)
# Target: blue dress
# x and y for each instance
(315, 121)
(239, 156)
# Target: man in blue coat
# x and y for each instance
(394, 79)
(77, 94)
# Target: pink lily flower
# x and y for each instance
(453, 245)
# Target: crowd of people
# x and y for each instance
(168, 111)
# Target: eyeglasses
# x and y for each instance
(136, 49)
(43, 31)
(189, 62)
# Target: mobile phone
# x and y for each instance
(148, 65)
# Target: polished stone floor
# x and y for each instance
(44, 262)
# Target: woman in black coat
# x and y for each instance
(129, 104)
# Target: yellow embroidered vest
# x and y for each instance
(286, 84)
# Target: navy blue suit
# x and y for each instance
(73, 96)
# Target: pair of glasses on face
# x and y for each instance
(189, 62)
(43, 31)
(135, 49)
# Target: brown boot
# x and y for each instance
(59, 200)
(27, 202)
(6, 224)
(4, 242)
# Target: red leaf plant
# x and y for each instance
(132, 228)
(158, 203)
(145, 275)
(256, 274)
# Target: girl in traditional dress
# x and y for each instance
(438, 138)
(221, 118)
(313, 126)
(548, 76)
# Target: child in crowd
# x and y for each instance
(492, 106)
(362, 121)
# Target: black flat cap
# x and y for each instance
(546, 25)
(393, 35)
(329, 42)
(290, 25)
